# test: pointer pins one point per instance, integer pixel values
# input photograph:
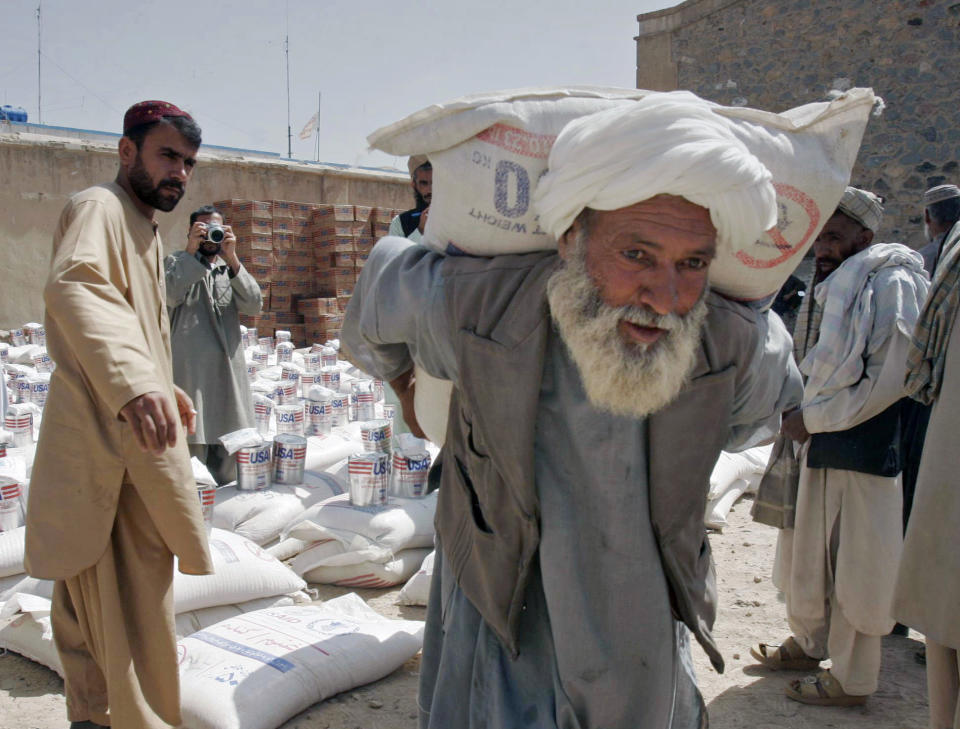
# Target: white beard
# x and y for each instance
(620, 377)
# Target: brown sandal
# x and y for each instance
(788, 656)
(822, 690)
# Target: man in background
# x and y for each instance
(410, 224)
(941, 210)
(112, 496)
(207, 289)
(836, 565)
(928, 583)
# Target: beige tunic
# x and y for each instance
(927, 595)
(109, 334)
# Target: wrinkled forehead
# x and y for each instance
(660, 217)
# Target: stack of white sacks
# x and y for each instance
(252, 585)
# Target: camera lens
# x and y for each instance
(216, 234)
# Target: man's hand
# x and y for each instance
(423, 219)
(188, 415)
(793, 426)
(153, 421)
(404, 386)
(228, 249)
(196, 236)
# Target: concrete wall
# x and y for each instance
(38, 174)
(776, 54)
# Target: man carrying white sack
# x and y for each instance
(594, 392)
(837, 566)
(112, 497)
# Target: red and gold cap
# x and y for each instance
(148, 111)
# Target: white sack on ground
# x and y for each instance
(367, 533)
(360, 575)
(25, 626)
(719, 507)
(733, 466)
(25, 629)
(284, 549)
(257, 670)
(261, 515)
(11, 551)
(191, 621)
(244, 572)
(27, 585)
(417, 589)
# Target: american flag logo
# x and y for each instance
(18, 422)
(9, 491)
(206, 494)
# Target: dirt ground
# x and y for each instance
(746, 695)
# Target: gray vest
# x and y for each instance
(488, 515)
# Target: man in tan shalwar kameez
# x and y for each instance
(112, 497)
(836, 566)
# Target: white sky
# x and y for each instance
(374, 61)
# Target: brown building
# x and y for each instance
(776, 54)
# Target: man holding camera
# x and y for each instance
(207, 288)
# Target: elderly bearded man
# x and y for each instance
(836, 567)
(112, 497)
(595, 388)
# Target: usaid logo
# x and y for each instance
(260, 456)
(422, 464)
(380, 467)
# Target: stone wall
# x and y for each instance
(38, 175)
(776, 54)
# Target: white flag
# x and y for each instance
(310, 126)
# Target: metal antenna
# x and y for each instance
(39, 107)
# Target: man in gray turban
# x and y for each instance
(941, 210)
(594, 389)
(835, 565)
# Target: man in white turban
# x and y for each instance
(837, 565)
(594, 389)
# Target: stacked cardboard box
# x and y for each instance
(306, 258)
(322, 318)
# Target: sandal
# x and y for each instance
(788, 656)
(822, 690)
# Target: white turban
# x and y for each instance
(667, 143)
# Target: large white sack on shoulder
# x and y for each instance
(810, 150)
(718, 508)
(260, 516)
(369, 574)
(193, 620)
(243, 571)
(11, 551)
(25, 629)
(488, 151)
(293, 656)
(417, 589)
(368, 533)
